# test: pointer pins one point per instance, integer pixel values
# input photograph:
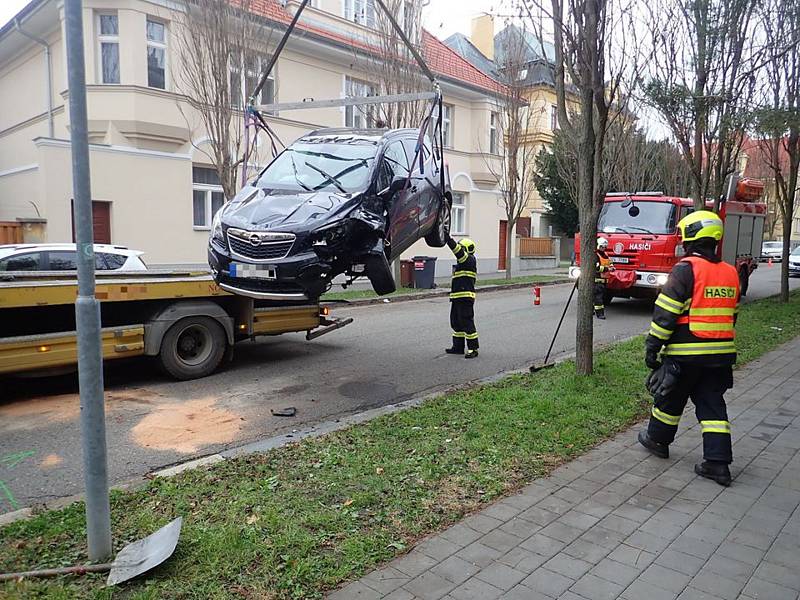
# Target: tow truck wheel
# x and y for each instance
(192, 348)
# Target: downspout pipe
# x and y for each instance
(49, 86)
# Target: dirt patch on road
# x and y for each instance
(187, 427)
(50, 461)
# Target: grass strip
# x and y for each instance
(301, 519)
(361, 294)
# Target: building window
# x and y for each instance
(458, 214)
(360, 11)
(447, 121)
(156, 54)
(359, 116)
(493, 145)
(410, 19)
(108, 41)
(243, 86)
(207, 196)
(553, 117)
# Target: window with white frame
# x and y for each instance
(410, 19)
(360, 11)
(243, 85)
(358, 116)
(207, 196)
(447, 124)
(108, 47)
(493, 139)
(156, 54)
(553, 117)
(458, 214)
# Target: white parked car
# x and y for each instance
(794, 263)
(773, 250)
(62, 257)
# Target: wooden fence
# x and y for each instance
(10, 233)
(538, 246)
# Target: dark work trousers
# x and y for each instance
(705, 386)
(599, 294)
(462, 322)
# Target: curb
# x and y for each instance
(438, 293)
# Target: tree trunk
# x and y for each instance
(584, 332)
(787, 241)
(510, 225)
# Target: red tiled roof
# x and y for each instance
(441, 59)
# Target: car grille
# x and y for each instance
(270, 246)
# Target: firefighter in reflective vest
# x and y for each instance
(604, 267)
(462, 298)
(693, 328)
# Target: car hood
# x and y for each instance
(259, 208)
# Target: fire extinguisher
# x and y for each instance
(537, 296)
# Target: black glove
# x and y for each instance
(651, 360)
(664, 380)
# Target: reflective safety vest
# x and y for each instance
(603, 265)
(705, 324)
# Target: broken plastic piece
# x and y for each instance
(289, 411)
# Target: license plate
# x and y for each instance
(624, 260)
(252, 271)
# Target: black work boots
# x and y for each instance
(656, 448)
(718, 472)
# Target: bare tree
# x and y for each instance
(702, 81)
(778, 121)
(595, 46)
(222, 45)
(515, 170)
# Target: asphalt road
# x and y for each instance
(391, 352)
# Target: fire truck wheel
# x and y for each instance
(192, 348)
(744, 280)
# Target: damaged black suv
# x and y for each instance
(336, 201)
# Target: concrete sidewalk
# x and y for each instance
(619, 523)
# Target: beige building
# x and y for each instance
(152, 185)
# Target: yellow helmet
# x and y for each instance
(468, 245)
(700, 224)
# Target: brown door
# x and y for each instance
(501, 261)
(101, 222)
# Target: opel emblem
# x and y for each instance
(255, 239)
(619, 247)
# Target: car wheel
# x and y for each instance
(192, 348)
(380, 274)
(441, 229)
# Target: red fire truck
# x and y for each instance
(644, 243)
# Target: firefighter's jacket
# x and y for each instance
(603, 264)
(465, 272)
(695, 313)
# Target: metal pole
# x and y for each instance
(87, 308)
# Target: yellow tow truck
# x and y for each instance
(181, 318)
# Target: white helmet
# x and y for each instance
(602, 243)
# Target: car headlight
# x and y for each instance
(661, 279)
(216, 228)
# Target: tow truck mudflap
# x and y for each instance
(326, 326)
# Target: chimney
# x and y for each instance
(483, 35)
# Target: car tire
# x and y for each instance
(437, 237)
(379, 274)
(192, 348)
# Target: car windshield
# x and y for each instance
(796, 251)
(772, 245)
(310, 166)
(639, 217)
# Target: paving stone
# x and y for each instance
(691, 593)
(766, 590)
(414, 563)
(501, 576)
(569, 566)
(455, 569)
(523, 560)
(386, 579)
(429, 586)
(680, 561)
(522, 592)
(693, 546)
(592, 553)
(751, 538)
(633, 513)
(640, 590)
(746, 554)
(438, 548)
(556, 505)
(548, 582)
(461, 535)
(561, 531)
(591, 586)
(478, 554)
(578, 520)
(538, 515)
(482, 523)
(647, 541)
(501, 511)
(355, 590)
(603, 537)
(779, 574)
(726, 588)
(500, 541)
(475, 589)
(620, 524)
(665, 578)
(519, 528)
(593, 508)
(728, 567)
(634, 557)
(400, 594)
(541, 544)
(616, 572)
